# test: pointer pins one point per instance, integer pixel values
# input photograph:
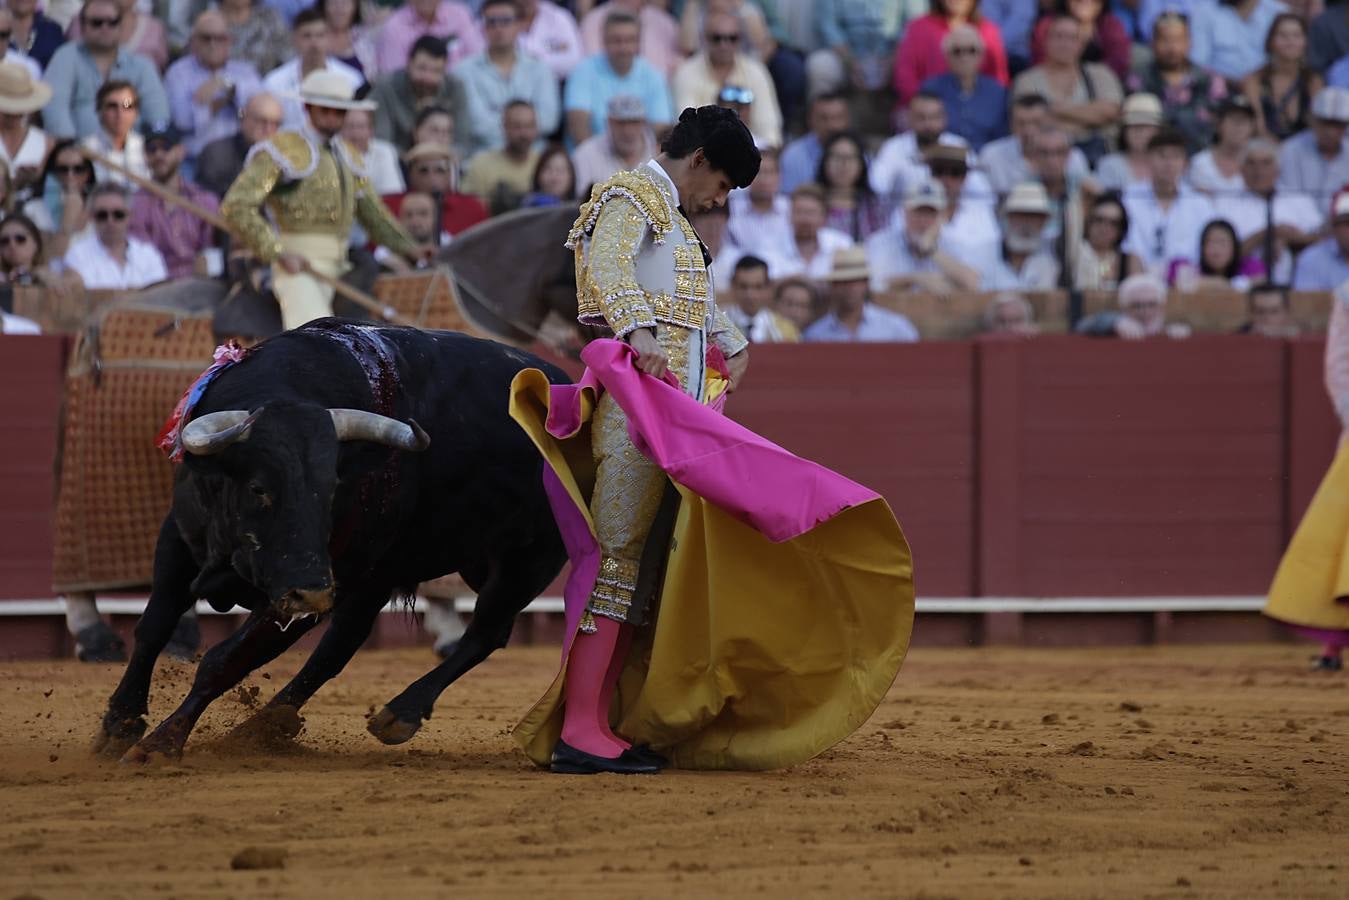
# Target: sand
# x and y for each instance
(1172, 772)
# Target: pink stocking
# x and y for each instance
(588, 690)
(1331, 651)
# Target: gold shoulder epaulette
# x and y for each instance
(639, 190)
(292, 151)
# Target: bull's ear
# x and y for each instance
(215, 431)
(360, 425)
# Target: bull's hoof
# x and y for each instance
(270, 728)
(390, 729)
(148, 754)
(115, 738)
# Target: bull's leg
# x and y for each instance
(258, 641)
(170, 597)
(510, 586)
(279, 721)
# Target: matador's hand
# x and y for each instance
(651, 358)
(737, 365)
(293, 263)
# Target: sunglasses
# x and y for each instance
(723, 38)
(81, 169)
(499, 21)
(736, 95)
(5, 35)
(964, 51)
(1107, 220)
(158, 147)
(103, 215)
(99, 22)
(17, 240)
(213, 38)
(112, 105)
(949, 171)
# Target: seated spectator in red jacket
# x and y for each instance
(431, 171)
(1108, 41)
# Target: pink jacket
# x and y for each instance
(919, 56)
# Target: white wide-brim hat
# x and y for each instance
(331, 91)
(19, 93)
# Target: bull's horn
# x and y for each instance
(359, 425)
(215, 431)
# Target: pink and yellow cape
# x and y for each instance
(787, 603)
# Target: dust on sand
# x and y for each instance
(1174, 772)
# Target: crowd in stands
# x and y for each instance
(1146, 147)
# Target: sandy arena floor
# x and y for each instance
(1176, 772)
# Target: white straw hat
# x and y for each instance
(332, 91)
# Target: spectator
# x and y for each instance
(380, 157)
(500, 178)
(554, 181)
(1222, 265)
(814, 244)
(1281, 90)
(348, 40)
(618, 70)
(1166, 214)
(969, 231)
(1142, 313)
(1329, 38)
(1006, 161)
(920, 55)
(1316, 162)
(1217, 170)
(1024, 263)
(1189, 94)
(976, 105)
(402, 95)
(1150, 11)
(1272, 224)
(854, 208)
(1015, 19)
(182, 238)
(1107, 41)
(758, 40)
(499, 75)
(115, 141)
(658, 39)
(626, 142)
(448, 20)
(310, 35)
(902, 160)
(206, 88)
(1067, 189)
(1229, 35)
(1267, 307)
(36, 32)
(434, 125)
(141, 34)
(740, 101)
(750, 305)
(796, 299)
(760, 24)
(22, 262)
(23, 146)
(827, 114)
(699, 79)
(7, 52)
(1324, 266)
(858, 39)
(550, 33)
(1009, 314)
(417, 214)
(761, 218)
(909, 255)
(1101, 260)
(430, 170)
(1141, 119)
(79, 68)
(852, 317)
(1083, 97)
(221, 161)
(110, 259)
(60, 209)
(259, 36)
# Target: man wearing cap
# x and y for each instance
(313, 186)
(115, 141)
(852, 316)
(699, 79)
(310, 38)
(910, 254)
(206, 88)
(1315, 162)
(1025, 263)
(431, 170)
(1324, 266)
(1141, 118)
(182, 238)
(1166, 216)
(1272, 224)
(20, 97)
(624, 145)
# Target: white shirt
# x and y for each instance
(1302, 170)
(1158, 236)
(1248, 214)
(1005, 166)
(595, 160)
(760, 234)
(32, 152)
(889, 255)
(283, 82)
(381, 161)
(131, 157)
(899, 163)
(972, 236)
(1205, 178)
(788, 260)
(99, 271)
(1040, 272)
(17, 325)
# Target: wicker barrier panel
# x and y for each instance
(114, 485)
(428, 300)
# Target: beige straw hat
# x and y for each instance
(19, 93)
(332, 91)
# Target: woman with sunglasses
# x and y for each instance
(1102, 262)
(60, 211)
(21, 258)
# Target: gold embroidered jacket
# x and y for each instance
(307, 188)
(639, 263)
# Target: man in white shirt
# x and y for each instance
(1006, 161)
(969, 230)
(625, 144)
(1315, 162)
(1167, 216)
(1025, 263)
(911, 255)
(118, 107)
(1271, 224)
(109, 259)
(902, 160)
(310, 37)
(761, 218)
(813, 245)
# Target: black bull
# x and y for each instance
(298, 513)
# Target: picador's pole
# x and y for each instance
(355, 295)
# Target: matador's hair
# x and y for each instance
(726, 142)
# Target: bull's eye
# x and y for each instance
(260, 492)
(253, 541)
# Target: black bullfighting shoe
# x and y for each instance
(99, 643)
(644, 752)
(567, 760)
(1327, 664)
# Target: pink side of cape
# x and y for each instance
(749, 477)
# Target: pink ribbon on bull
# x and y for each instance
(170, 438)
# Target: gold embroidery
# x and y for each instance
(637, 188)
(606, 272)
(678, 311)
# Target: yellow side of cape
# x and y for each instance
(1314, 571)
(763, 655)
